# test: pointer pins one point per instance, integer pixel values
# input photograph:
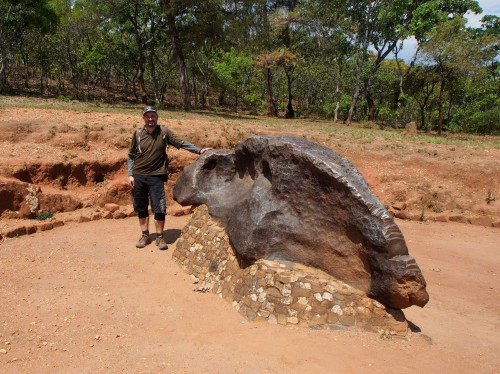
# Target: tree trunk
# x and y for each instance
(3, 63)
(422, 115)
(134, 86)
(140, 77)
(369, 82)
(357, 88)
(448, 114)
(195, 91)
(337, 105)
(140, 56)
(360, 63)
(222, 98)
(181, 63)
(271, 101)
(42, 90)
(290, 112)
(371, 104)
(152, 67)
(355, 97)
(204, 101)
(236, 101)
(26, 68)
(440, 107)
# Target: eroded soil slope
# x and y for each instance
(76, 159)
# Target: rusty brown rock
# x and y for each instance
(347, 320)
(332, 317)
(318, 320)
(178, 210)
(285, 198)
(281, 318)
(18, 231)
(107, 215)
(96, 216)
(117, 193)
(440, 218)
(458, 218)
(31, 229)
(481, 221)
(399, 206)
(46, 226)
(57, 223)
(411, 128)
(111, 207)
(301, 292)
(402, 214)
(119, 214)
(273, 292)
(129, 211)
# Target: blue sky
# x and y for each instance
(488, 6)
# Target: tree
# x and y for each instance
(380, 25)
(187, 21)
(234, 72)
(478, 97)
(18, 17)
(287, 28)
(327, 43)
(454, 53)
(420, 84)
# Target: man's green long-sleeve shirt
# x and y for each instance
(150, 156)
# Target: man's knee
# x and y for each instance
(159, 216)
(142, 214)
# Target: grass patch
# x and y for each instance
(43, 215)
(316, 128)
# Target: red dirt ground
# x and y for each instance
(82, 298)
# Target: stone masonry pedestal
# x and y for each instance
(277, 291)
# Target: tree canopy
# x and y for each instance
(309, 58)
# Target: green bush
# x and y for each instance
(328, 110)
(485, 123)
(44, 215)
(387, 116)
(63, 98)
(254, 102)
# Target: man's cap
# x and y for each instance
(148, 109)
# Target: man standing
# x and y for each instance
(148, 170)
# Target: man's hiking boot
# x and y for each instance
(143, 241)
(160, 243)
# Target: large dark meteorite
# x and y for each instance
(291, 199)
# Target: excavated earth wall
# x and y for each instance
(280, 292)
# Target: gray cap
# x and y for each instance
(148, 109)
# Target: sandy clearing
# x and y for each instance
(82, 299)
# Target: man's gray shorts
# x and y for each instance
(149, 188)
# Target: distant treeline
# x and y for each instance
(333, 59)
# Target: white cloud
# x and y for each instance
(489, 7)
(474, 20)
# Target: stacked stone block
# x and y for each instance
(277, 291)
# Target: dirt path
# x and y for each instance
(82, 299)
